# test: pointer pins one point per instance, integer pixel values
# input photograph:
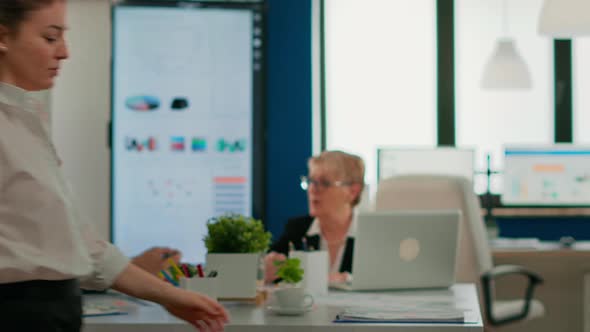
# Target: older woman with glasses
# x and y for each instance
(334, 186)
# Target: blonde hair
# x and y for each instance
(351, 168)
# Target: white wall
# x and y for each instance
(377, 94)
(80, 106)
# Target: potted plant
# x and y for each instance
(289, 271)
(234, 245)
(290, 294)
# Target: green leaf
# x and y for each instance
(234, 233)
(289, 270)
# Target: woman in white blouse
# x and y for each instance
(47, 251)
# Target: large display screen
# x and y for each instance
(185, 97)
(547, 175)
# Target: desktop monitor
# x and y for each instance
(440, 161)
(557, 175)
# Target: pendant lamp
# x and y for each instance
(565, 18)
(506, 69)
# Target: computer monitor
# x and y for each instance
(436, 160)
(554, 175)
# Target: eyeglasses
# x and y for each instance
(321, 184)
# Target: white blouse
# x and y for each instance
(42, 234)
(314, 229)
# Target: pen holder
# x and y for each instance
(315, 265)
(207, 286)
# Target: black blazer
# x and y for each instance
(296, 229)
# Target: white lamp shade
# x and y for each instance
(565, 18)
(506, 69)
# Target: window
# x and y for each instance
(581, 84)
(487, 119)
(380, 58)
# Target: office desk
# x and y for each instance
(564, 292)
(249, 318)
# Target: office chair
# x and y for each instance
(474, 258)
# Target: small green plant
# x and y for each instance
(234, 233)
(289, 270)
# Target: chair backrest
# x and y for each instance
(443, 192)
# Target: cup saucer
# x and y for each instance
(285, 311)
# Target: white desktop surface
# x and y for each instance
(250, 318)
(533, 244)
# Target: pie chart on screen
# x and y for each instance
(142, 103)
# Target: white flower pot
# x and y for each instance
(316, 268)
(237, 274)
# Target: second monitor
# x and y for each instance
(436, 160)
(555, 175)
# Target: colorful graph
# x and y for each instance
(224, 145)
(199, 144)
(135, 144)
(230, 194)
(142, 103)
(177, 143)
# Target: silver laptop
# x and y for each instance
(404, 250)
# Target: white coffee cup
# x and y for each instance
(293, 297)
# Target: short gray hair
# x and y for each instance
(349, 166)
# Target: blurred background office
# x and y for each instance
(356, 71)
(367, 75)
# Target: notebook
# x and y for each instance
(355, 315)
(97, 309)
(110, 303)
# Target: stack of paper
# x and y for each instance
(96, 309)
(111, 303)
(364, 315)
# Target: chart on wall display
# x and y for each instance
(547, 175)
(184, 87)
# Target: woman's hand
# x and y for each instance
(155, 259)
(199, 310)
(270, 270)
